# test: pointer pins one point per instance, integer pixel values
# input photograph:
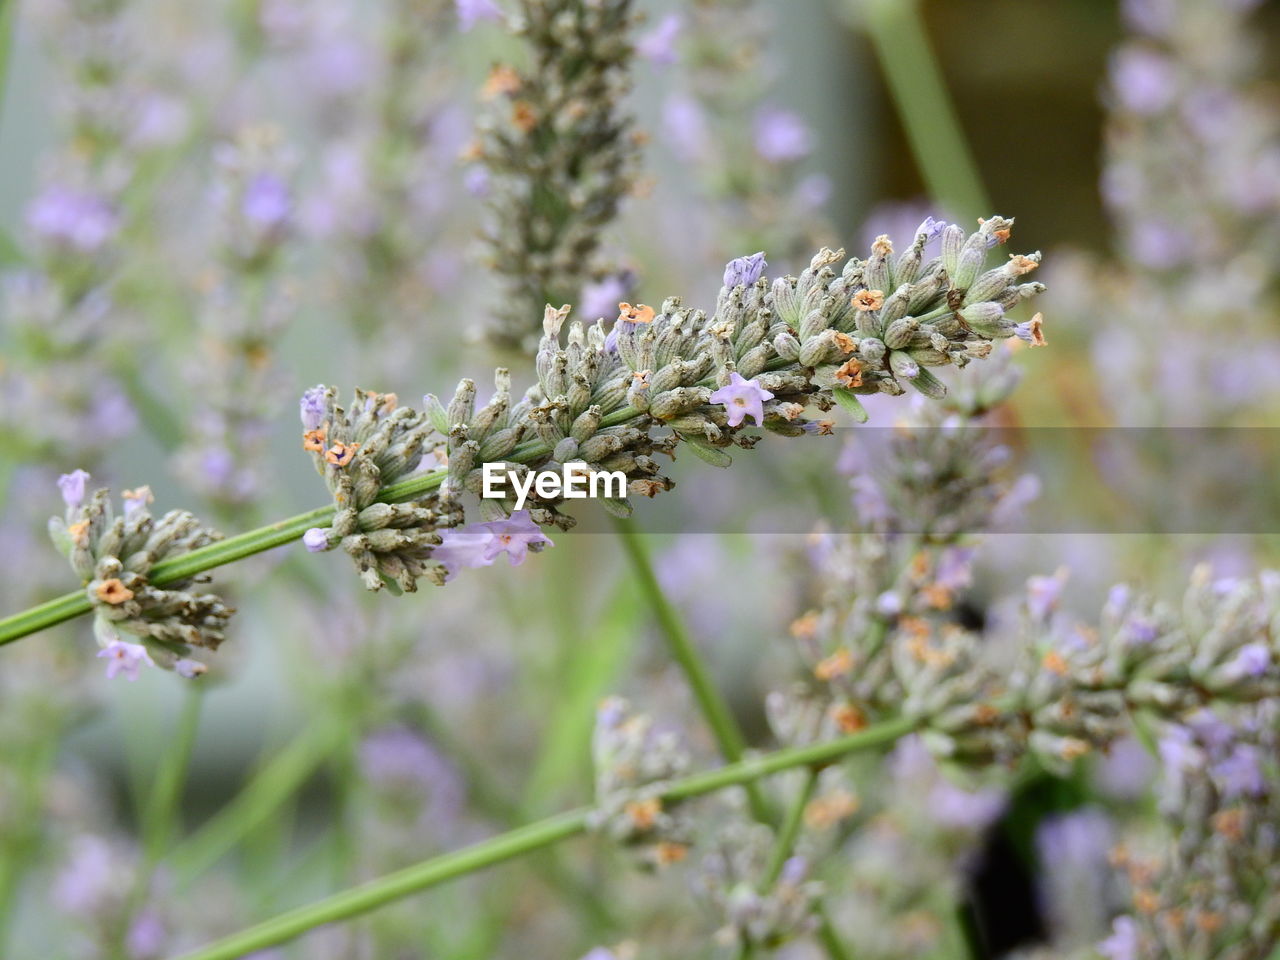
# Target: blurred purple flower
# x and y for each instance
(1124, 942)
(471, 12)
(398, 759)
(476, 181)
(126, 658)
(955, 568)
(72, 486)
(1160, 245)
(89, 877)
(1153, 17)
(600, 298)
(1125, 771)
(1043, 594)
(147, 936)
(1253, 659)
(955, 808)
(742, 398)
(74, 218)
(1079, 839)
(1146, 82)
(684, 124)
(1240, 773)
(266, 201)
(744, 271)
(659, 44)
(781, 136)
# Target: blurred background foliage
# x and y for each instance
(494, 679)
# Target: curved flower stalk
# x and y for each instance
(560, 155)
(769, 351)
(113, 556)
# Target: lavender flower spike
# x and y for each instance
(742, 398)
(744, 271)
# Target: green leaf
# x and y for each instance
(849, 400)
(713, 455)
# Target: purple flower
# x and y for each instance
(1145, 82)
(1141, 632)
(1079, 839)
(471, 12)
(266, 201)
(476, 181)
(659, 44)
(742, 398)
(1153, 17)
(89, 877)
(126, 658)
(72, 486)
(313, 408)
(1156, 243)
(78, 220)
(955, 808)
(684, 125)
(600, 298)
(781, 136)
(135, 500)
(1253, 659)
(1178, 750)
(189, 669)
(147, 935)
(514, 536)
(955, 568)
(1240, 774)
(1124, 942)
(744, 271)
(480, 544)
(316, 540)
(1043, 594)
(931, 228)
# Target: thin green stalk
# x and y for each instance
(897, 33)
(273, 784)
(681, 646)
(166, 790)
(785, 844)
(536, 836)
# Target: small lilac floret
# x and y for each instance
(313, 408)
(744, 271)
(126, 658)
(316, 540)
(742, 399)
(72, 486)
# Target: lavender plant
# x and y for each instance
(560, 154)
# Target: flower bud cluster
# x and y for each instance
(359, 450)
(634, 762)
(732, 879)
(113, 556)
(610, 401)
(1211, 889)
(559, 152)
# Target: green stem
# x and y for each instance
(536, 836)
(274, 783)
(166, 790)
(897, 33)
(714, 709)
(785, 845)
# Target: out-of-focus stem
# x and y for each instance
(712, 706)
(897, 33)
(524, 840)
